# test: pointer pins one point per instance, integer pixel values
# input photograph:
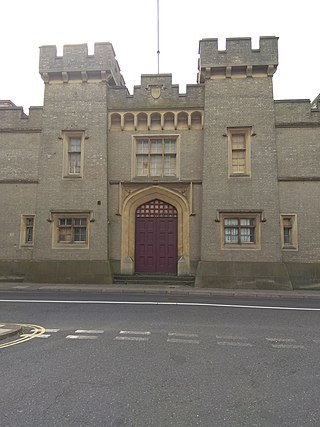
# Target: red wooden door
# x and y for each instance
(156, 244)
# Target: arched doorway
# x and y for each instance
(156, 237)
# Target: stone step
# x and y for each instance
(153, 279)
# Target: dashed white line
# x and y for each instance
(281, 339)
(124, 338)
(135, 332)
(88, 331)
(235, 344)
(287, 346)
(43, 336)
(81, 337)
(181, 340)
(177, 334)
(52, 330)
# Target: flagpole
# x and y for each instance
(158, 37)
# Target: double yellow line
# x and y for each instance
(35, 331)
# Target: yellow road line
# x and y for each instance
(36, 331)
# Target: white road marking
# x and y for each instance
(180, 340)
(88, 331)
(281, 339)
(135, 332)
(2, 325)
(287, 346)
(235, 344)
(81, 337)
(177, 334)
(226, 337)
(131, 338)
(52, 330)
(43, 336)
(21, 287)
(316, 341)
(182, 304)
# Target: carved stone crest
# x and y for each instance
(155, 90)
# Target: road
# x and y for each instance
(139, 360)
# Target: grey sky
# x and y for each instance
(131, 27)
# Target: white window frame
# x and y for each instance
(67, 137)
(150, 138)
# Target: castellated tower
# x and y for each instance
(239, 163)
(74, 128)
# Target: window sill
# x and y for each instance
(237, 175)
(70, 246)
(242, 247)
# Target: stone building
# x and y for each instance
(220, 183)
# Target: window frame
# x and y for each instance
(150, 138)
(73, 244)
(241, 216)
(293, 244)
(67, 137)
(24, 230)
(246, 132)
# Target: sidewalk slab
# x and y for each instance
(172, 290)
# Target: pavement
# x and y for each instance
(8, 330)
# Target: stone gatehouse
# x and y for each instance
(221, 182)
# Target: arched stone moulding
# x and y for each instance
(129, 207)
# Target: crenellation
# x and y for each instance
(76, 61)
(238, 54)
(13, 117)
(156, 91)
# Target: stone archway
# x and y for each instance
(136, 199)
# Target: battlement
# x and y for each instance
(76, 64)
(238, 59)
(156, 91)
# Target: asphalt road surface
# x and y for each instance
(121, 360)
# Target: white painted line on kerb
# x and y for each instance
(135, 332)
(88, 331)
(235, 344)
(123, 338)
(81, 337)
(52, 330)
(287, 346)
(182, 304)
(177, 334)
(281, 339)
(228, 337)
(180, 340)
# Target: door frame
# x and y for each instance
(129, 206)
